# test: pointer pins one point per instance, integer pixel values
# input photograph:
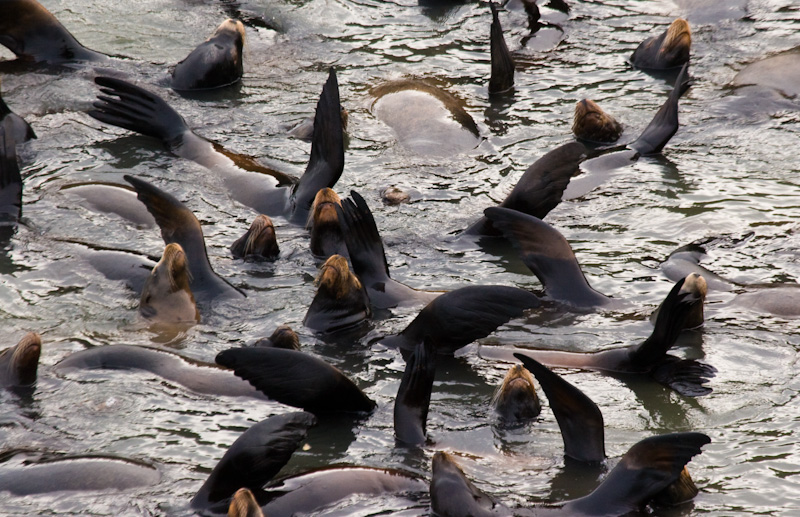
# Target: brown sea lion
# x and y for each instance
(323, 224)
(244, 504)
(592, 124)
(259, 241)
(341, 302)
(166, 296)
(670, 49)
(215, 63)
(19, 363)
(515, 400)
(282, 337)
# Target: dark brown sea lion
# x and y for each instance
(502, 78)
(515, 400)
(366, 253)
(323, 224)
(592, 124)
(341, 302)
(167, 297)
(19, 363)
(10, 180)
(131, 107)
(214, 63)
(414, 395)
(259, 241)
(670, 49)
(198, 376)
(644, 471)
(17, 129)
(179, 225)
(296, 379)
(32, 33)
(282, 337)
(425, 118)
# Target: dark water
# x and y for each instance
(728, 174)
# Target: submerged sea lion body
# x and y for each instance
(19, 363)
(341, 302)
(215, 63)
(166, 296)
(670, 49)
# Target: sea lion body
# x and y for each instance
(780, 72)
(341, 302)
(19, 363)
(670, 49)
(166, 296)
(215, 63)
(111, 198)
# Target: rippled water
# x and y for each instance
(728, 174)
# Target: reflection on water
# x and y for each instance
(729, 171)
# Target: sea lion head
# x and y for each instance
(243, 504)
(323, 223)
(214, 63)
(335, 278)
(394, 196)
(166, 295)
(681, 490)
(697, 288)
(323, 210)
(591, 123)
(259, 242)
(677, 44)
(283, 337)
(516, 401)
(19, 363)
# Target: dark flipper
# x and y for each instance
(138, 110)
(452, 494)
(10, 177)
(458, 318)
(296, 379)
(579, 418)
(15, 125)
(686, 376)
(548, 255)
(364, 244)
(540, 188)
(326, 163)
(178, 224)
(414, 395)
(665, 123)
(254, 458)
(646, 469)
(502, 78)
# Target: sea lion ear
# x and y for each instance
(579, 419)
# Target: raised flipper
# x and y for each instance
(541, 187)
(548, 255)
(453, 495)
(326, 163)
(665, 123)
(414, 395)
(502, 78)
(178, 224)
(458, 318)
(645, 470)
(254, 458)
(579, 418)
(10, 177)
(296, 379)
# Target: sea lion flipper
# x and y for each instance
(502, 78)
(296, 379)
(326, 162)
(453, 495)
(457, 318)
(686, 376)
(254, 458)
(646, 469)
(364, 244)
(579, 418)
(10, 177)
(130, 107)
(414, 395)
(547, 254)
(665, 122)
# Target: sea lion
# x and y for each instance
(425, 118)
(131, 107)
(10, 179)
(323, 224)
(414, 395)
(591, 124)
(198, 376)
(215, 63)
(457, 318)
(254, 458)
(670, 49)
(780, 72)
(394, 195)
(244, 504)
(56, 473)
(33, 34)
(644, 471)
(17, 129)
(515, 400)
(282, 337)
(341, 302)
(166, 296)
(179, 225)
(502, 78)
(19, 363)
(259, 241)
(366, 253)
(296, 379)
(111, 198)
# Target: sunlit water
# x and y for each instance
(730, 172)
